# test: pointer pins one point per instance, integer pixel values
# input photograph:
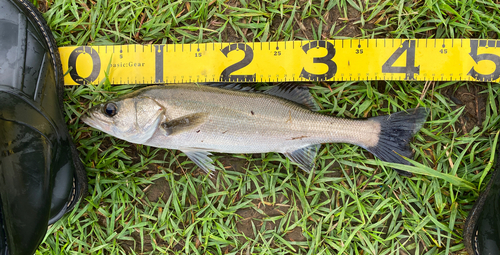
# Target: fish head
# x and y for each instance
(133, 119)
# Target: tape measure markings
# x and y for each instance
(322, 60)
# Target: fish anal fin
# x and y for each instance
(202, 160)
(304, 157)
(295, 93)
(184, 123)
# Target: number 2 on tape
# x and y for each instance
(226, 74)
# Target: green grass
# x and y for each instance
(351, 204)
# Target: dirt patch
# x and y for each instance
(234, 164)
(143, 243)
(160, 189)
(344, 26)
(266, 217)
(42, 6)
(474, 100)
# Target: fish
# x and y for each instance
(200, 119)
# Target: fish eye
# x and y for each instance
(110, 109)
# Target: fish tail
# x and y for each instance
(396, 131)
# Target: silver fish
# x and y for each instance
(199, 119)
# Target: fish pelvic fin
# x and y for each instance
(304, 157)
(202, 160)
(396, 131)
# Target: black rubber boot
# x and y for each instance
(482, 227)
(41, 175)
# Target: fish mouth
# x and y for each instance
(94, 121)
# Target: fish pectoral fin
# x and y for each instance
(184, 123)
(202, 160)
(295, 93)
(304, 157)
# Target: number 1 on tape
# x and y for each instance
(327, 60)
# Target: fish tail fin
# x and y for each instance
(396, 131)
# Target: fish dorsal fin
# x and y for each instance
(304, 157)
(201, 159)
(233, 86)
(184, 123)
(294, 93)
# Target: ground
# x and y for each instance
(147, 200)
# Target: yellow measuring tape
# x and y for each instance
(329, 60)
